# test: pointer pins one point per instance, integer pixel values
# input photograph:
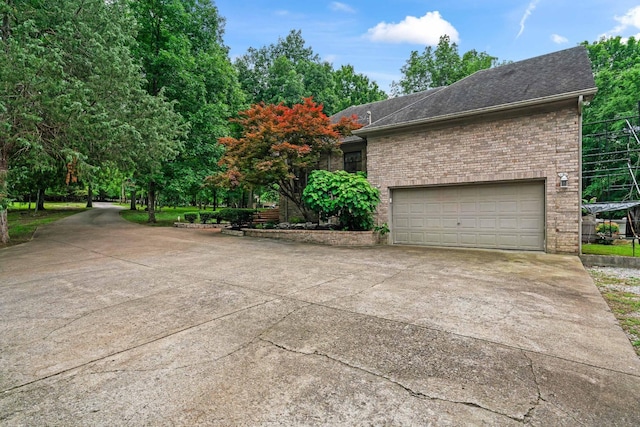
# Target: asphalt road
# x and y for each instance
(108, 323)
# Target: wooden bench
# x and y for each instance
(270, 215)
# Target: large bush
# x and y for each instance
(237, 217)
(345, 195)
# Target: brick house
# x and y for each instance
(492, 161)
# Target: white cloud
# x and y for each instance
(630, 19)
(424, 30)
(336, 6)
(558, 39)
(526, 15)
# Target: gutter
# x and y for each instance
(496, 108)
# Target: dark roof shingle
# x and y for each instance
(543, 77)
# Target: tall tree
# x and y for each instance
(606, 140)
(181, 48)
(289, 70)
(354, 89)
(281, 145)
(441, 66)
(616, 70)
(69, 89)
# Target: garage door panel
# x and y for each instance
(449, 239)
(507, 206)
(468, 239)
(450, 207)
(468, 223)
(508, 223)
(530, 223)
(416, 208)
(509, 216)
(401, 222)
(487, 223)
(450, 223)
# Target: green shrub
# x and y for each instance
(348, 196)
(297, 220)
(607, 228)
(270, 225)
(237, 217)
(191, 216)
(206, 216)
(217, 216)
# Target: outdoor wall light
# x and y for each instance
(564, 180)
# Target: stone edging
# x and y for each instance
(610, 261)
(189, 225)
(326, 237)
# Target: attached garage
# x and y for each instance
(490, 161)
(502, 215)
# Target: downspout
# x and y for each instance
(580, 102)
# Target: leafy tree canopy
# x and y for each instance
(71, 94)
(289, 70)
(280, 145)
(441, 66)
(616, 70)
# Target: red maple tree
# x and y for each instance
(281, 145)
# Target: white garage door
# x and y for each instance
(504, 216)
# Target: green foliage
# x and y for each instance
(382, 229)
(237, 216)
(207, 216)
(182, 52)
(440, 67)
(288, 71)
(348, 196)
(607, 228)
(191, 217)
(616, 69)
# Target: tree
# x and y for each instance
(289, 70)
(616, 70)
(180, 46)
(354, 89)
(281, 145)
(440, 67)
(70, 92)
(606, 141)
(346, 195)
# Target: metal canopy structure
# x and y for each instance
(596, 208)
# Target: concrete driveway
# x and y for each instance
(103, 322)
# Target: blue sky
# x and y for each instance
(376, 37)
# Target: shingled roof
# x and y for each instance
(555, 76)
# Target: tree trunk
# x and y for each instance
(152, 202)
(4, 222)
(90, 197)
(133, 201)
(40, 200)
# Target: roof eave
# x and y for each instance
(494, 109)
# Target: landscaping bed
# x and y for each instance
(326, 237)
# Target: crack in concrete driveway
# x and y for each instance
(104, 322)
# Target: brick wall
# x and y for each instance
(537, 145)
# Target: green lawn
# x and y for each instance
(621, 248)
(622, 296)
(165, 217)
(23, 222)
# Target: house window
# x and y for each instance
(353, 161)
